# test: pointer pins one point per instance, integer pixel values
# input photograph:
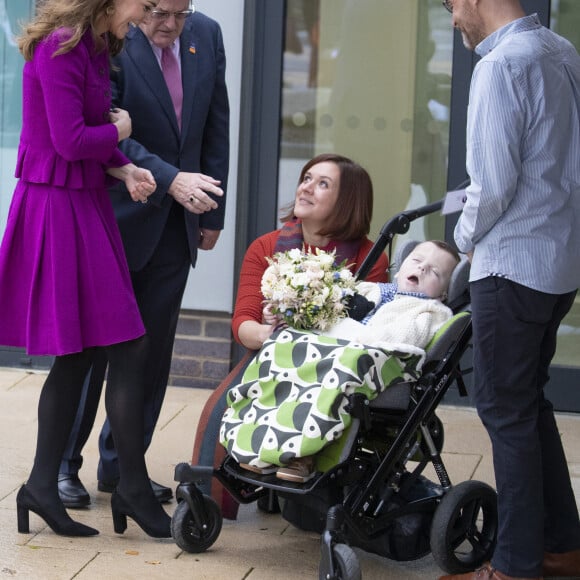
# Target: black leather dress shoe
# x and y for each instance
(72, 492)
(162, 493)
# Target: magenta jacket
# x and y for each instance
(68, 140)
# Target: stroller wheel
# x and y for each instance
(269, 503)
(437, 432)
(189, 535)
(346, 564)
(464, 527)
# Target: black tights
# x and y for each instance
(58, 406)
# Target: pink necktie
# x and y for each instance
(172, 74)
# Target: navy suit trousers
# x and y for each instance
(159, 288)
(514, 339)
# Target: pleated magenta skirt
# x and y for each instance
(64, 281)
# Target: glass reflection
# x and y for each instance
(12, 13)
(565, 20)
(370, 79)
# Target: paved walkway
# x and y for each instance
(255, 547)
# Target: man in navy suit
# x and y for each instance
(183, 138)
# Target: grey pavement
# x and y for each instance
(257, 546)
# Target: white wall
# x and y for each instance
(211, 283)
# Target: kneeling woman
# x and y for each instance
(332, 211)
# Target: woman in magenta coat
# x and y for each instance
(64, 282)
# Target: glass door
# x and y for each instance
(565, 20)
(370, 79)
(12, 14)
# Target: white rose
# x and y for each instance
(326, 260)
(295, 255)
(346, 275)
(299, 279)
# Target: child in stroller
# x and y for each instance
(370, 493)
(404, 317)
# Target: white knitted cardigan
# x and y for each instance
(406, 323)
(406, 320)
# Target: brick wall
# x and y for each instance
(203, 349)
(201, 356)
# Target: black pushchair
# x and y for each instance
(375, 497)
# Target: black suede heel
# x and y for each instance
(58, 520)
(121, 509)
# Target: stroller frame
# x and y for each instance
(463, 518)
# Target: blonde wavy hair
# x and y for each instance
(76, 15)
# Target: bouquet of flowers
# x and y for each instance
(306, 289)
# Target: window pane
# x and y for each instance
(12, 13)
(565, 20)
(370, 79)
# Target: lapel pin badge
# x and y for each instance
(192, 48)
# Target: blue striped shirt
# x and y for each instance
(522, 214)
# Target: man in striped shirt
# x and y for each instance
(521, 228)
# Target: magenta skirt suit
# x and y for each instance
(64, 280)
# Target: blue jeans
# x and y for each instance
(514, 339)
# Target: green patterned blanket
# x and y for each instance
(292, 397)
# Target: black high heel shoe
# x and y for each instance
(121, 509)
(59, 521)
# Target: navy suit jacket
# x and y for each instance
(156, 142)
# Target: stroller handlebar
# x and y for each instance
(413, 214)
(398, 224)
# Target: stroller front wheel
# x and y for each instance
(192, 536)
(346, 564)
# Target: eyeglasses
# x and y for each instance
(163, 15)
(448, 5)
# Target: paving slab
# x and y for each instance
(256, 546)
